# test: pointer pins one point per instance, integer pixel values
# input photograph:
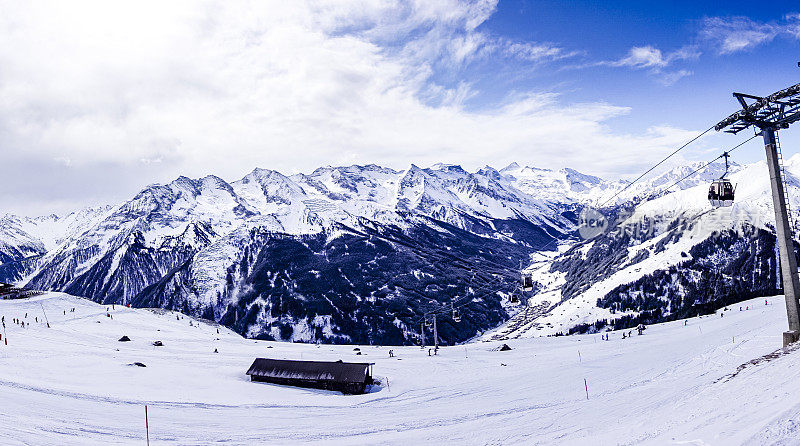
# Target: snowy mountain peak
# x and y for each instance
(448, 168)
(490, 172)
(263, 176)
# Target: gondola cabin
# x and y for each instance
(456, 315)
(527, 283)
(721, 193)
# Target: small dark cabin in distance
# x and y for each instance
(345, 377)
(11, 292)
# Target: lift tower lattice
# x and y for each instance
(769, 114)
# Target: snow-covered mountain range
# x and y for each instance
(338, 254)
(358, 253)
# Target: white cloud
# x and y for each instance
(792, 26)
(141, 92)
(668, 78)
(642, 57)
(536, 52)
(652, 59)
(734, 34)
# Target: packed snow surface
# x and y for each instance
(75, 383)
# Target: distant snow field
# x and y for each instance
(73, 383)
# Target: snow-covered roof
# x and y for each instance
(338, 371)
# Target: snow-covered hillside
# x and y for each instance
(25, 240)
(672, 256)
(714, 380)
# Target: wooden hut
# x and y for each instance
(12, 292)
(345, 377)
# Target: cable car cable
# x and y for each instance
(694, 172)
(657, 164)
(468, 299)
(710, 162)
(661, 162)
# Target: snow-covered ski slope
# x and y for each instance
(72, 384)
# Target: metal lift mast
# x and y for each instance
(768, 115)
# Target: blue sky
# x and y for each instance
(606, 31)
(98, 99)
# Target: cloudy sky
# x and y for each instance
(98, 99)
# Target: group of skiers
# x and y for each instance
(18, 321)
(23, 324)
(625, 335)
(642, 327)
(26, 324)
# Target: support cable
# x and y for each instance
(702, 167)
(463, 301)
(657, 164)
(709, 163)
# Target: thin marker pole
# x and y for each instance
(587, 388)
(435, 334)
(45, 315)
(147, 425)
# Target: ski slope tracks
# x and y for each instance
(75, 383)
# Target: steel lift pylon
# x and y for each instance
(767, 115)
